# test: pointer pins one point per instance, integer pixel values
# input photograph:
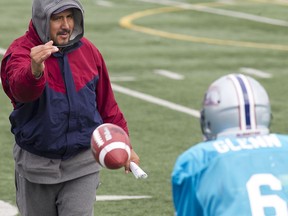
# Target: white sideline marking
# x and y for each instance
(223, 12)
(116, 197)
(227, 1)
(155, 100)
(256, 72)
(169, 74)
(122, 78)
(104, 3)
(2, 51)
(7, 209)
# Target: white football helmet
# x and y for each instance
(235, 105)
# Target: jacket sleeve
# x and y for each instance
(21, 85)
(107, 105)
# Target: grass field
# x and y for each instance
(138, 37)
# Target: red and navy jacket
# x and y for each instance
(55, 115)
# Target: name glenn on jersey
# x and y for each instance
(249, 143)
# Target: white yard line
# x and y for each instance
(116, 197)
(103, 3)
(222, 12)
(7, 209)
(169, 74)
(2, 51)
(122, 78)
(255, 72)
(227, 1)
(280, 2)
(156, 100)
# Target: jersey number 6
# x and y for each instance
(259, 201)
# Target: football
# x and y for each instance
(110, 146)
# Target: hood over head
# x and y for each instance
(42, 11)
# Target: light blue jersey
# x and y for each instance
(233, 177)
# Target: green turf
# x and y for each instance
(159, 134)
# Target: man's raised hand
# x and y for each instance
(38, 55)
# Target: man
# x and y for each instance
(60, 89)
(240, 168)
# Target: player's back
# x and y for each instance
(233, 176)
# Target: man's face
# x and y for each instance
(61, 27)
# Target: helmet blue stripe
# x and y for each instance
(246, 102)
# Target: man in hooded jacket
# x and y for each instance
(59, 86)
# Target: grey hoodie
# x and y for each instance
(42, 11)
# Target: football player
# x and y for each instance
(240, 168)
